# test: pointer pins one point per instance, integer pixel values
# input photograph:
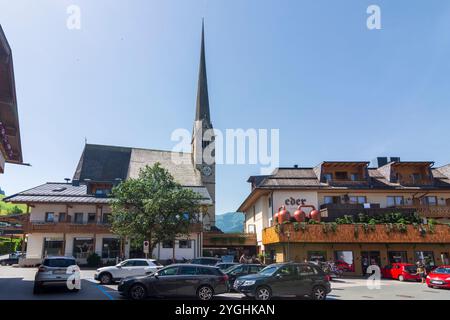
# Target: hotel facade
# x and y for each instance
(340, 190)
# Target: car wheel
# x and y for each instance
(401, 278)
(263, 293)
(137, 292)
(205, 293)
(318, 293)
(105, 278)
(37, 288)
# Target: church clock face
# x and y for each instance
(206, 171)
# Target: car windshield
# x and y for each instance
(268, 271)
(59, 263)
(442, 270)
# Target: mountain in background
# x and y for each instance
(230, 222)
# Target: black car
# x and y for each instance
(242, 270)
(206, 261)
(285, 279)
(185, 280)
(225, 265)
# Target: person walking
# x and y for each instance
(422, 273)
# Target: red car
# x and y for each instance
(439, 277)
(401, 271)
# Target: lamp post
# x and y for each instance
(288, 235)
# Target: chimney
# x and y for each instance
(296, 166)
(381, 161)
(76, 183)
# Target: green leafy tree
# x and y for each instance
(153, 207)
(14, 210)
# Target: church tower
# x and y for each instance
(203, 155)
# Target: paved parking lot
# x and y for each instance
(17, 284)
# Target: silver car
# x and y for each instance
(62, 271)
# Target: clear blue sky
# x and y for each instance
(336, 90)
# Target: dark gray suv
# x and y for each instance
(185, 280)
(285, 279)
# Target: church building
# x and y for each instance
(73, 218)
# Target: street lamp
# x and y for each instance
(288, 235)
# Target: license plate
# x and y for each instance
(59, 271)
(437, 282)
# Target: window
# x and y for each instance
(344, 260)
(49, 217)
(430, 201)
(393, 201)
(206, 271)
(416, 178)
(188, 271)
(78, 217)
(106, 218)
(128, 263)
(358, 199)
(254, 213)
(341, 175)
(167, 244)
(237, 270)
(305, 270)
(83, 247)
(328, 177)
(53, 247)
(251, 228)
(327, 200)
(317, 256)
(91, 217)
(62, 217)
(397, 256)
(140, 263)
(426, 257)
(354, 177)
(287, 271)
(171, 271)
(59, 263)
(185, 244)
(110, 248)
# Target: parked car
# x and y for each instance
(53, 271)
(240, 270)
(225, 265)
(127, 268)
(401, 272)
(285, 279)
(185, 280)
(439, 277)
(206, 261)
(10, 259)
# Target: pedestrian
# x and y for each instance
(242, 259)
(422, 273)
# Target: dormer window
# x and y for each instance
(341, 175)
(328, 177)
(354, 177)
(416, 178)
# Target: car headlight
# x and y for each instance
(248, 283)
(447, 279)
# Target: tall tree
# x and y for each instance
(153, 207)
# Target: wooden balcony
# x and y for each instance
(347, 183)
(225, 240)
(433, 211)
(66, 227)
(355, 234)
(330, 212)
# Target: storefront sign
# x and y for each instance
(292, 202)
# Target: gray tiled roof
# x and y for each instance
(67, 193)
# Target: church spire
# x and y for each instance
(202, 108)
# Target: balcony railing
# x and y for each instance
(66, 227)
(355, 234)
(213, 239)
(347, 182)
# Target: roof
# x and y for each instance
(9, 118)
(309, 179)
(62, 193)
(109, 163)
(202, 107)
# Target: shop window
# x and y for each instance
(110, 248)
(426, 257)
(49, 217)
(344, 260)
(397, 257)
(185, 244)
(53, 247)
(167, 244)
(83, 247)
(317, 256)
